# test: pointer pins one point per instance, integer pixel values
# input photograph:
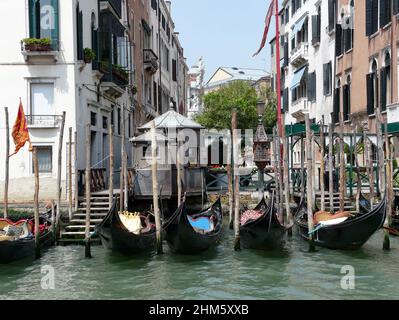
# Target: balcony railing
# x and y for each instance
(150, 61)
(114, 74)
(44, 121)
(299, 55)
(299, 108)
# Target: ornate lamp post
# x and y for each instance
(261, 148)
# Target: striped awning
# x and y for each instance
(296, 79)
(298, 26)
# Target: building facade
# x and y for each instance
(195, 89)
(100, 67)
(307, 39)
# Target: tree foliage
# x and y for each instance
(219, 105)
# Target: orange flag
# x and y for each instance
(20, 131)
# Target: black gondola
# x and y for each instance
(183, 237)
(115, 235)
(23, 248)
(348, 235)
(265, 232)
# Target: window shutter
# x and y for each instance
(174, 70)
(345, 103)
(338, 40)
(370, 94)
(285, 100)
(154, 4)
(79, 30)
(374, 16)
(34, 17)
(395, 6)
(337, 102)
(331, 14)
(383, 12)
(369, 17)
(55, 37)
(285, 64)
(383, 90)
(311, 87)
(315, 29)
(348, 39)
(325, 82)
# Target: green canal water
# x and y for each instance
(218, 274)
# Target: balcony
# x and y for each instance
(43, 121)
(40, 50)
(150, 61)
(114, 80)
(299, 108)
(300, 54)
(112, 5)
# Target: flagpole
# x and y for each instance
(279, 118)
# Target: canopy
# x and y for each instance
(298, 26)
(296, 79)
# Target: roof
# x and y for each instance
(147, 137)
(172, 119)
(235, 73)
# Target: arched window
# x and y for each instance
(347, 98)
(372, 88)
(386, 82)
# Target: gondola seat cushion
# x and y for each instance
(250, 215)
(132, 222)
(325, 216)
(202, 224)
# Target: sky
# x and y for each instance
(226, 33)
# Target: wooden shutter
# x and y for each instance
(79, 30)
(345, 102)
(315, 29)
(331, 14)
(348, 39)
(174, 70)
(325, 79)
(369, 17)
(370, 94)
(383, 89)
(285, 100)
(286, 55)
(311, 87)
(374, 16)
(55, 37)
(383, 12)
(338, 40)
(34, 18)
(336, 107)
(395, 8)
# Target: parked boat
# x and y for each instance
(346, 232)
(17, 239)
(260, 228)
(190, 232)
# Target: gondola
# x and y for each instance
(189, 232)
(119, 236)
(17, 240)
(264, 232)
(347, 233)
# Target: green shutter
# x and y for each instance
(34, 5)
(55, 36)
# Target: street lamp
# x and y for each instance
(261, 147)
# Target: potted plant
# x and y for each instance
(120, 72)
(134, 90)
(88, 55)
(34, 44)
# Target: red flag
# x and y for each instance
(267, 24)
(20, 131)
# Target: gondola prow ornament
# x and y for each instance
(261, 145)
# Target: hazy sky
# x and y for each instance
(224, 32)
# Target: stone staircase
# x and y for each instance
(349, 205)
(74, 232)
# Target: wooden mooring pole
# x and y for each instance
(59, 172)
(322, 166)
(231, 193)
(289, 218)
(358, 178)
(111, 166)
(331, 166)
(36, 203)
(179, 175)
(389, 177)
(88, 191)
(342, 180)
(369, 162)
(70, 194)
(7, 168)
(309, 190)
(236, 153)
(155, 195)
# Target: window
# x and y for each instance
(395, 7)
(174, 70)
(337, 103)
(43, 20)
(119, 121)
(312, 86)
(287, 15)
(94, 36)
(327, 78)
(385, 90)
(332, 5)
(371, 17)
(105, 122)
(45, 159)
(93, 119)
(372, 89)
(385, 12)
(112, 115)
(347, 99)
(295, 5)
(316, 27)
(79, 33)
(42, 99)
